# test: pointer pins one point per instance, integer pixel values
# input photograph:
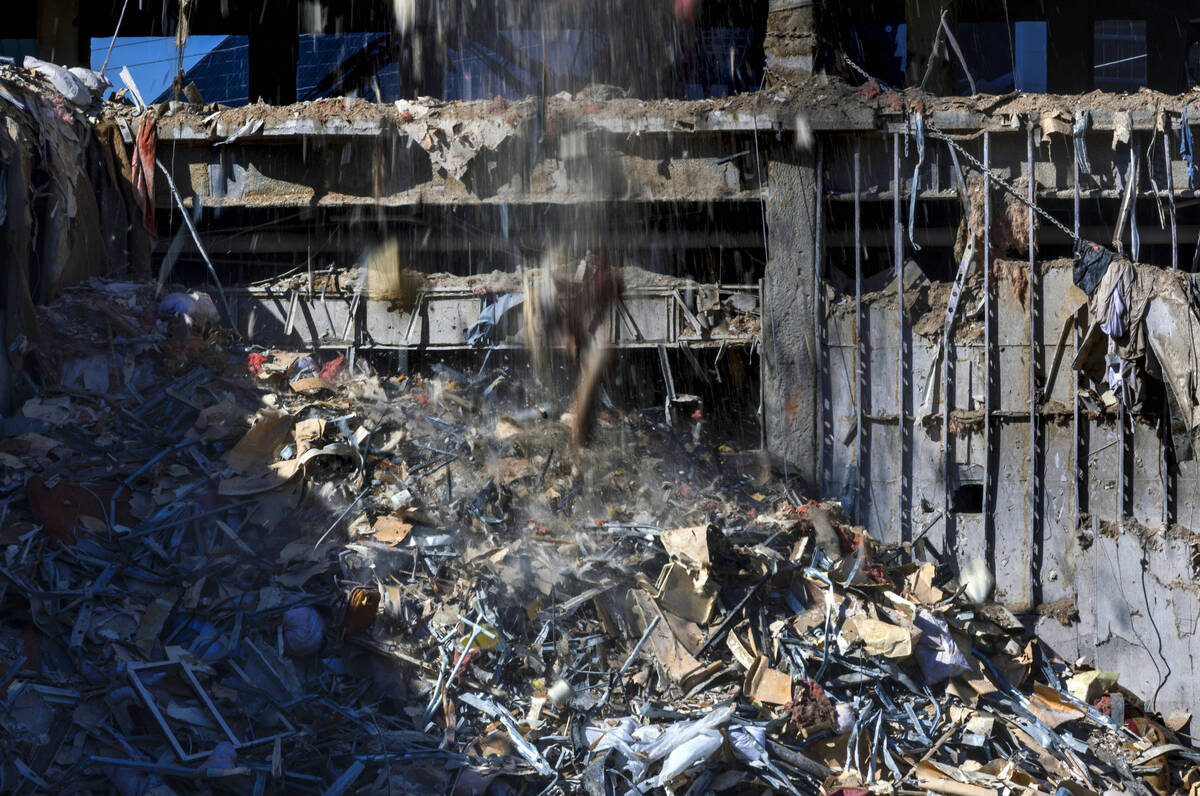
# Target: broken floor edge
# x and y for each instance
(845, 110)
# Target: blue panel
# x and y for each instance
(322, 53)
(222, 75)
(1030, 40)
(1120, 54)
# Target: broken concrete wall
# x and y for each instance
(1149, 618)
(1093, 531)
(1124, 535)
(337, 154)
(790, 372)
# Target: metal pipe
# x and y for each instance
(1121, 446)
(762, 387)
(1124, 431)
(1170, 196)
(1135, 240)
(1034, 309)
(947, 236)
(187, 220)
(1165, 461)
(860, 365)
(819, 315)
(901, 359)
(947, 447)
(989, 521)
(1081, 461)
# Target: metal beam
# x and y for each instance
(1080, 441)
(902, 475)
(1035, 461)
(1049, 236)
(860, 365)
(820, 323)
(1168, 461)
(989, 365)
(456, 240)
(1170, 195)
(440, 316)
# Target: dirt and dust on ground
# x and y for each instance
(230, 569)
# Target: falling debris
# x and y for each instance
(488, 442)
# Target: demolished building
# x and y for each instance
(888, 296)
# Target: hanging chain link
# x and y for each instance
(935, 133)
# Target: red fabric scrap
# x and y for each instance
(255, 362)
(333, 368)
(143, 171)
(811, 706)
(1103, 704)
(850, 540)
(877, 574)
(464, 659)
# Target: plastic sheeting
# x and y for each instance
(491, 315)
(680, 746)
(1153, 327)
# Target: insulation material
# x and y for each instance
(1154, 329)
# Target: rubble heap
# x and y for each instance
(229, 570)
(69, 208)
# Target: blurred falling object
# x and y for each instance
(567, 307)
(383, 277)
(804, 136)
(312, 16)
(583, 406)
(540, 298)
(405, 12)
(685, 10)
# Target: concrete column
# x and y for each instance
(790, 368)
(791, 43)
(60, 38)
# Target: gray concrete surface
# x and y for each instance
(788, 338)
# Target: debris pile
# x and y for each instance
(68, 206)
(238, 569)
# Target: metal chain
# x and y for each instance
(934, 132)
(864, 72)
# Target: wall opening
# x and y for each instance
(968, 499)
